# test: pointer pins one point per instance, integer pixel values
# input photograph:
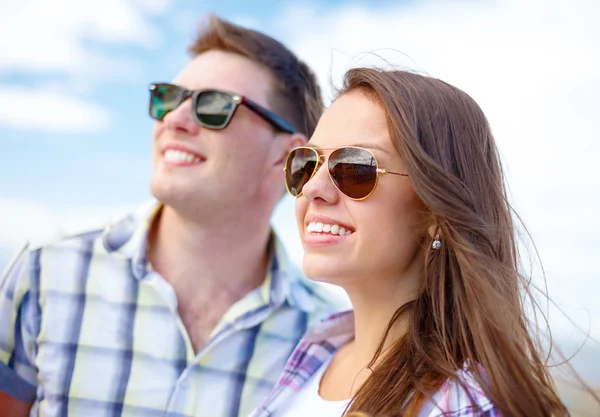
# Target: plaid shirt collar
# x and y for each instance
(128, 238)
(319, 343)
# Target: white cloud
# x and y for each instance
(66, 38)
(534, 68)
(48, 111)
(153, 7)
(41, 36)
(28, 220)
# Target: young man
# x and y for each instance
(188, 307)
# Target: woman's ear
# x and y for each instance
(435, 235)
(433, 230)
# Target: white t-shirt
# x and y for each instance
(308, 402)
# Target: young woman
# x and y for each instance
(401, 201)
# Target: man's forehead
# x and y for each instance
(226, 71)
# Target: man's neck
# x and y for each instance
(227, 257)
(209, 267)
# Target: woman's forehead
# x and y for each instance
(353, 120)
(372, 146)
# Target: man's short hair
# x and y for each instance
(296, 94)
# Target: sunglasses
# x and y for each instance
(353, 170)
(212, 109)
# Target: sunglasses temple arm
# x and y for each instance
(269, 116)
(385, 171)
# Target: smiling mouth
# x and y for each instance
(318, 228)
(176, 155)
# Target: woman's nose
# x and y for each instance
(320, 189)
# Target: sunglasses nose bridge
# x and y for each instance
(319, 187)
(187, 94)
(321, 160)
(181, 117)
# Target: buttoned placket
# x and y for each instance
(180, 401)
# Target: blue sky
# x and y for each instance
(103, 74)
(75, 134)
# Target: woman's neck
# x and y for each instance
(374, 308)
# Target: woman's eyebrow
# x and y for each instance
(358, 145)
(372, 146)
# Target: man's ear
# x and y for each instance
(286, 144)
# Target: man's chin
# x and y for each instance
(187, 200)
(169, 194)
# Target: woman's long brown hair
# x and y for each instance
(471, 308)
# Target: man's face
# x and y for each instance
(198, 169)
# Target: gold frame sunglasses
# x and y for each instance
(353, 170)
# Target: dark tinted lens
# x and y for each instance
(214, 108)
(299, 167)
(164, 98)
(354, 171)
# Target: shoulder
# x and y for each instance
(109, 232)
(67, 246)
(75, 240)
(36, 260)
(68, 251)
(28, 256)
(461, 396)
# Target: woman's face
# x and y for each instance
(386, 232)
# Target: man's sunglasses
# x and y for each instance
(212, 109)
(353, 170)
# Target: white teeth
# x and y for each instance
(334, 229)
(180, 156)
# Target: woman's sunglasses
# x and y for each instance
(353, 170)
(212, 109)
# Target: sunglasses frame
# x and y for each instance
(321, 161)
(270, 117)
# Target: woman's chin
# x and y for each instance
(325, 269)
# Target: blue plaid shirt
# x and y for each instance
(87, 328)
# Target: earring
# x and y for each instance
(436, 242)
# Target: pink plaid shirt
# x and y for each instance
(321, 342)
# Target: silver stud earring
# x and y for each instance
(436, 242)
